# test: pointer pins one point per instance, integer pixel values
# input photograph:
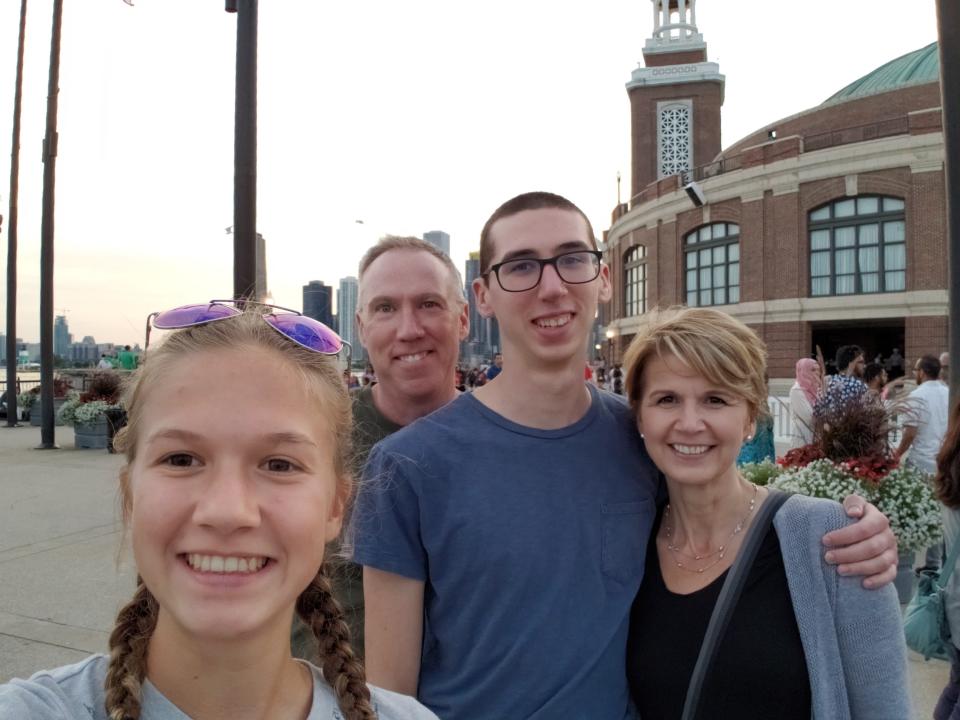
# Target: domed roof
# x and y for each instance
(915, 68)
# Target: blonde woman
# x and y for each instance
(802, 640)
(229, 505)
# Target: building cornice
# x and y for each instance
(675, 75)
(877, 306)
(920, 153)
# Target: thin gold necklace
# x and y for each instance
(677, 553)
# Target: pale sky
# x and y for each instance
(411, 116)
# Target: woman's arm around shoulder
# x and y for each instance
(394, 706)
(868, 623)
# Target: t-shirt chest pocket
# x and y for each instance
(626, 529)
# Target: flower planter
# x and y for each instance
(36, 412)
(93, 435)
(906, 580)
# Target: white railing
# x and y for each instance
(779, 406)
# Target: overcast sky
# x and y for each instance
(411, 116)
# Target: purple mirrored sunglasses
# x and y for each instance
(305, 331)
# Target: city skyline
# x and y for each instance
(145, 157)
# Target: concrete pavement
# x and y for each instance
(63, 576)
(61, 581)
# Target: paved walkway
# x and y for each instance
(63, 577)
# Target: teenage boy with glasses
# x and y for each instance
(503, 536)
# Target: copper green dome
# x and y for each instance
(915, 68)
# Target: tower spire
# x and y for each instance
(674, 26)
(675, 98)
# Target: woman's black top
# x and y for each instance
(759, 670)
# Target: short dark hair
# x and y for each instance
(871, 370)
(929, 365)
(846, 354)
(527, 201)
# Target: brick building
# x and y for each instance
(824, 228)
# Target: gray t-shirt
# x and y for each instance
(75, 692)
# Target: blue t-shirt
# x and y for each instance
(531, 544)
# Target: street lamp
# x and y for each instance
(610, 336)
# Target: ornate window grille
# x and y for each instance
(674, 135)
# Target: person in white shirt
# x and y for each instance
(925, 417)
(924, 426)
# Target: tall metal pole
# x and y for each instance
(948, 21)
(245, 154)
(12, 230)
(46, 238)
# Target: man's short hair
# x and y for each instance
(527, 201)
(929, 365)
(871, 371)
(846, 354)
(397, 242)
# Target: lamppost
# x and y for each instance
(610, 335)
(11, 350)
(245, 151)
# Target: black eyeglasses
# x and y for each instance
(574, 268)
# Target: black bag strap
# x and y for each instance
(729, 594)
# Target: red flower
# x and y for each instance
(801, 456)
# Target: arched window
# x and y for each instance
(858, 246)
(712, 262)
(635, 281)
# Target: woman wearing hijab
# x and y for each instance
(803, 396)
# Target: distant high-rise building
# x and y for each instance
(439, 240)
(484, 339)
(317, 302)
(347, 312)
(85, 352)
(261, 281)
(61, 337)
(471, 272)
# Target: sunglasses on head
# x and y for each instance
(304, 331)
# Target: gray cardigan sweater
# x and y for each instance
(852, 637)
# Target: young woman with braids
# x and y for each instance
(236, 478)
(947, 486)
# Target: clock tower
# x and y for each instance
(675, 98)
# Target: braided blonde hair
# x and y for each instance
(129, 641)
(321, 612)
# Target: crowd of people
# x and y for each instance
(537, 548)
(929, 442)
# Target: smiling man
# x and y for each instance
(412, 316)
(503, 536)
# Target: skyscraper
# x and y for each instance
(317, 302)
(347, 313)
(484, 339)
(471, 271)
(61, 337)
(261, 290)
(439, 239)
